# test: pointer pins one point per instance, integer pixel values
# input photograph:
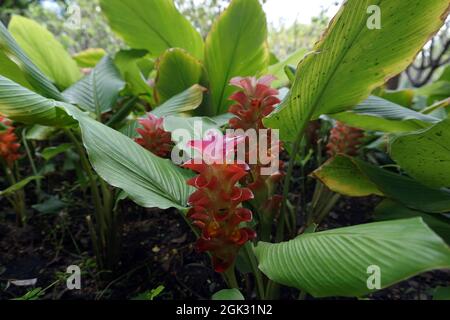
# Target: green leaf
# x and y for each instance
(336, 262)
(40, 133)
(186, 101)
(177, 71)
(19, 186)
(425, 155)
(150, 294)
(51, 152)
(52, 205)
(391, 210)
(127, 61)
(441, 293)
(340, 175)
(402, 97)
(382, 115)
(354, 177)
(89, 57)
(23, 105)
(236, 46)
(278, 69)
(228, 294)
(154, 25)
(406, 190)
(33, 75)
(10, 70)
(98, 91)
(149, 180)
(351, 60)
(45, 51)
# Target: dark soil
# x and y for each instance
(158, 249)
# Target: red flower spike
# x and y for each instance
(255, 100)
(9, 145)
(216, 205)
(344, 140)
(153, 137)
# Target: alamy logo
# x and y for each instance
(74, 280)
(374, 280)
(374, 21)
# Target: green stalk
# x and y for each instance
(287, 180)
(18, 200)
(88, 169)
(248, 250)
(230, 278)
(123, 112)
(32, 164)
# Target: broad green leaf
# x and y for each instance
(382, 115)
(337, 262)
(129, 129)
(40, 83)
(51, 152)
(10, 70)
(340, 175)
(228, 294)
(346, 175)
(186, 101)
(278, 69)
(98, 91)
(23, 105)
(273, 59)
(89, 57)
(45, 51)
(19, 186)
(425, 155)
(127, 61)
(351, 60)
(406, 190)
(391, 210)
(402, 97)
(149, 180)
(154, 25)
(236, 46)
(39, 133)
(177, 71)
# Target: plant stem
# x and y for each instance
(88, 169)
(248, 250)
(272, 290)
(18, 200)
(302, 295)
(123, 112)
(287, 182)
(230, 278)
(32, 163)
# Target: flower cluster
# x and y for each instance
(344, 140)
(254, 100)
(9, 145)
(153, 137)
(216, 204)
